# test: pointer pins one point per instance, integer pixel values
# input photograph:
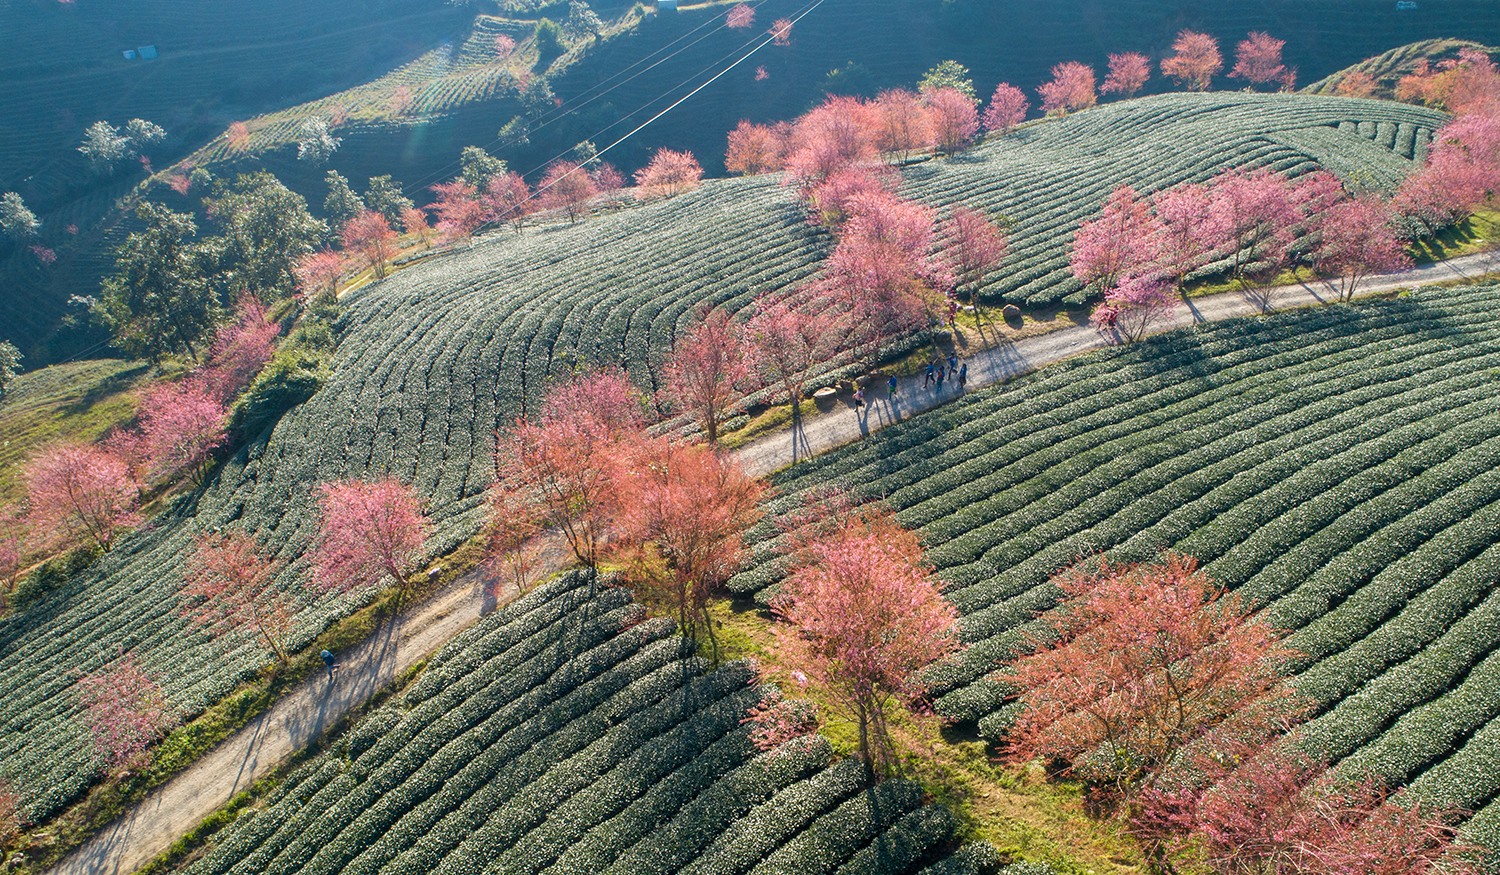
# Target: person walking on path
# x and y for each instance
(859, 397)
(931, 374)
(333, 666)
(952, 362)
(963, 376)
(890, 386)
(940, 375)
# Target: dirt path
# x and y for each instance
(303, 715)
(844, 424)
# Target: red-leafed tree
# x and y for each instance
(1116, 244)
(1468, 84)
(685, 509)
(954, 117)
(1281, 813)
(230, 590)
(561, 462)
(864, 617)
(1140, 662)
(1357, 238)
(513, 542)
(1071, 88)
(1357, 83)
(670, 173)
(568, 188)
(786, 343)
(509, 199)
(368, 531)
(741, 16)
(318, 273)
(373, 238)
(12, 818)
(1128, 73)
(1185, 235)
(238, 136)
(903, 124)
(81, 492)
(505, 46)
(709, 371)
(12, 552)
(973, 246)
(753, 149)
(1196, 62)
(457, 210)
(781, 31)
(239, 350)
(1257, 59)
(180, 426)
(124, 711)
(1008, 107)
(414, 222)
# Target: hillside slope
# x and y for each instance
(564, 735)
(433, 359)
(461, 99)
(1339, 467)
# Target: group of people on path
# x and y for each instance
(938, 371)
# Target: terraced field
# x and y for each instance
(434, 358)
(564, 735)
(1340, 467)
(1048, 177)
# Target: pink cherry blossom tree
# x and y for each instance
(180, 426)
(457, 209)
(368, 531)
(1135, 305)
(1116, 244)
(509, 199)
(318, 273)
(566, 187)
(1357, 238)
(954, 117)
(786, 343)
(670, 173)
(1185, 232)
(754, 149)
(1070, 89)
(1256, 213)
(740, 17)
(371, 237)
(684, 511)
(1128, 73)
(124, 710)
(709, 371)
(560, 463)
(81, 493)
(975, 247)
(903, 125)
(1008, 107)
(239, 350)
(864, 616)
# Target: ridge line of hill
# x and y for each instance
(304, 714)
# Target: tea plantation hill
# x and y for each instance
(563, 735)
(1339, 467)
(609, 86)
(433, 359)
